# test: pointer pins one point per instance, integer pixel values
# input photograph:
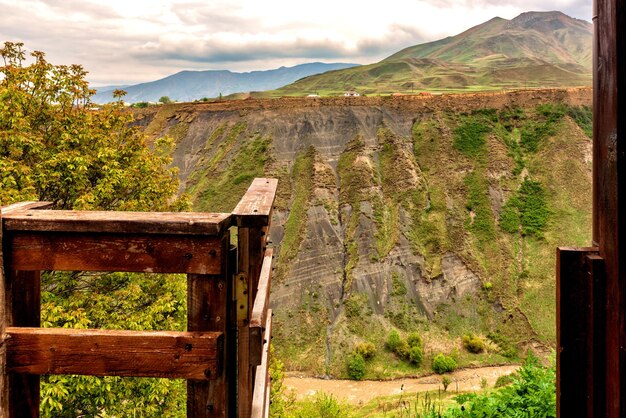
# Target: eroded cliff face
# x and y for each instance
(383, 220)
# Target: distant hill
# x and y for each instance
(192, 85)
(535, 49)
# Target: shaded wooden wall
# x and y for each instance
(591, 282)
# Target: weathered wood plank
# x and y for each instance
(255, 207)
(573, 299)
(114, 252)
(25, 312)
(262, 379)
(22, 206)
(596, 339)
(208, 305)
(609, 188)
(5, 298)
(244, 372)
(182, 223)
(259, 309)
(186, 355)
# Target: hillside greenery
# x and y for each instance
(54, 148)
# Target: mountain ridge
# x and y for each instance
(188, 85)
(534, 49)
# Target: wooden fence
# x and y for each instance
(224, 352)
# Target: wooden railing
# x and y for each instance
(224, 352)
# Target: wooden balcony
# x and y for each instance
(224, 353)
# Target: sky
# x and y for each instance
(123, 42)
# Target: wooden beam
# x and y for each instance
(573, 299)
(609, 181)
(181, 223)
(244, 372)
(259, 309)
(23, 206)
(255, 207)
(175, 355)
(262, 378)
(113, 252)
(208, 307)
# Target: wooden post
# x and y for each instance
(252, 215)
(208, 301)
(20, 296)
(609, 195)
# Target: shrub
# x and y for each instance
(365, 349)
(469, 138)
(473, 344)
(416, 355)
(393, 341)
(321, 406)
(403, 350)
(445, 381)
(503, 380)
(356, 366)
(532, 393)
(443, 364)
(414, 340)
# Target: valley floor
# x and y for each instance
(359, 392)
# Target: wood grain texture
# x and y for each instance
(208, 307)
(244, 372)
(262, 378)
(5, 298)
(181, 223)
(114, 252)
(258, 316)
(609, 187)
(186, 355)
(255, 207)
(573, 300)
(22, 206)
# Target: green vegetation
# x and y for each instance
(320, 406)
(219, 191)
(481, 221)
(443, 364)
(356, 366)
(535, 131)
(531, 392)
(583, 116)
(469, 138)
(473, 343)
(365, 349)
(526, 211)
(54, 148)
(302, 173)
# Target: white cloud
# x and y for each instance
(122, 41)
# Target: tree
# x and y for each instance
(165, 100)
(54, 147)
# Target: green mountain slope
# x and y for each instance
(536, 49)
(435, 215)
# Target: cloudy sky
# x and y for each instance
(130, 41)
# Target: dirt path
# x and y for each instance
(361, 392)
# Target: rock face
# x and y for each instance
(378, 213)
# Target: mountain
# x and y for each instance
(437, 215)
(193, 85)
(535, 49)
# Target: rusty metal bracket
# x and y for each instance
(241, 290)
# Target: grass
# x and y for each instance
(220, 191)
(295, 225)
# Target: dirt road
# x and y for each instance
(357, 392)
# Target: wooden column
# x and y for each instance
(20, 296)
(208, 301)
(609, 178)
(252, 215)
